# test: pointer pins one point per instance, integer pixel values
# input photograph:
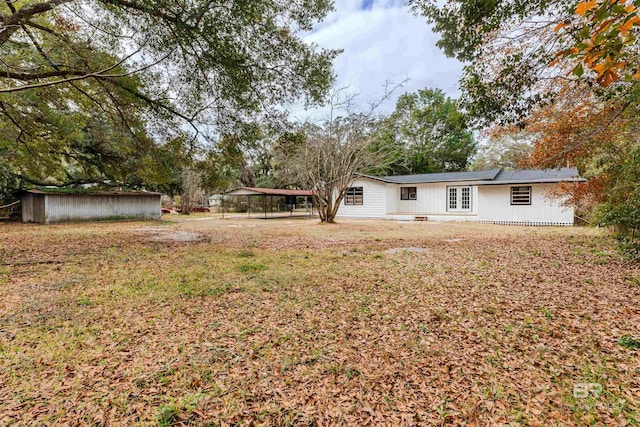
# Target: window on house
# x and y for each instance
(354, 196)
(408, 193)
(465, 198)
(521, 195)
(453, 198)
(459, 198)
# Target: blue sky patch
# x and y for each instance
(366, 5)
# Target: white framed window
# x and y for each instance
(408, 193)
(354, 196)
(453, 198)
(521, 195)
(459, 199)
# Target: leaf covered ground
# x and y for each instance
(289, 322)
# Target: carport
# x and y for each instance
(268, 194)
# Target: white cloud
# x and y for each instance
(382, 40)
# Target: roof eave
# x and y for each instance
(374, 177)
(533, 181)
(439, 181)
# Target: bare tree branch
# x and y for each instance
(14, 22)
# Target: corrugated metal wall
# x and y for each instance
(70, 207)
(32, 207)
(27, 207)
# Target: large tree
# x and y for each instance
(329, 159)
(566, 72)
(507, 150)
(603, 141)
(326, 158)
(520, 53)
(427, 133)
(84, 83)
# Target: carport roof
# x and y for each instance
(257, 191)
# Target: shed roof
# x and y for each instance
(88, 192)
(486, 177)
(257, 191)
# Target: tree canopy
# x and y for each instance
(565, 72)
(426, 133)
(520, 52)
(90, 89)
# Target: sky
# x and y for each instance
(382, 40)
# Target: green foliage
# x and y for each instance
(625, 217)
(552, 65)
(246, 253)
(465, 24)
(499, 79)
(629, 342)
(426, 133)
(169, 415)
(84, 132)
(9, 184)
(249, 156)
(98, 94)
(621, 207)
(505, 152)
(251, 267)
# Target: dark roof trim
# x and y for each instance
(532, 181)
(374, 177)
(486, 177)
(90, 193)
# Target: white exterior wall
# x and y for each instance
(431, 200)
(489, 203)
(68, 207)
(374, 200)
(495, 206)
(393, 197)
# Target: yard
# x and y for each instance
(287, 322)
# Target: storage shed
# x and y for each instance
(51, 206)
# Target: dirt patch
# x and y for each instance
(403, 250)
(165, 235)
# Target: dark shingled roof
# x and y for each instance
(438, 177)
(491, 176)
(535, 175)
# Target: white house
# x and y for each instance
(496, 196)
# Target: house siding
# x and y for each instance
(393, 197)
(431, 199)
(489, 204)
(374, 201)
(495, 206)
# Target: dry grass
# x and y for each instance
(288, 322)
